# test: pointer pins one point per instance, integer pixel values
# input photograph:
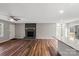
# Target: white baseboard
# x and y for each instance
(44, 38)
(4, 40)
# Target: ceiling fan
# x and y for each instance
(14, 18)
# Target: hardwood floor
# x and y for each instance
(20, 47)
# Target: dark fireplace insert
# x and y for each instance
(30, 33)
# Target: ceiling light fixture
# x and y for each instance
(11, 20)
(61, 11)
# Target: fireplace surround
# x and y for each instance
(30, 30)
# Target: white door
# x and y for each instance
(12, 31)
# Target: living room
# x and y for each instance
(39, 29)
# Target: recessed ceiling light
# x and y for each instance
(61, 11)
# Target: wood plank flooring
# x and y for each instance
(35, 47)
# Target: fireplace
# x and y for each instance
(30, 30)
(30, 34)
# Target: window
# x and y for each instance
(1, 29)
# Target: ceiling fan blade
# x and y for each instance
(15, 18)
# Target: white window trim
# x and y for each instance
(2, 30)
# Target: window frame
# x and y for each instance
(2, 29)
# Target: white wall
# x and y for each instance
(20, 30)
(6, 30)
(45, 30)
(76, 22)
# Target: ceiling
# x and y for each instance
(41, 12)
